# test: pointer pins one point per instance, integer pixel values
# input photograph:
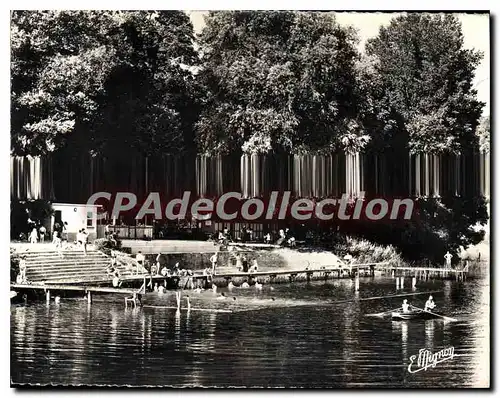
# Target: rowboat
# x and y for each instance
(414, 314)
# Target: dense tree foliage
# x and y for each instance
(106, 79)
(483, 132)
(278, 81)
(255, 82)
(423, 82)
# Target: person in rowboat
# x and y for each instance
(406, 306)
(429, 304)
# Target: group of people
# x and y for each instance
(285, 237)
(160, 267)
(242, 264)
(429, 305)
(113, 271)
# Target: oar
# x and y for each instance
(447, 318)
(383, 313)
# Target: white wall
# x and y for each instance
(76, 217)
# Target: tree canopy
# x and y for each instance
(424, 77)
(105, 79)
(483, 132)
(278, 81)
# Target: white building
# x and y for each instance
(77, 216)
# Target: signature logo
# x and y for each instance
(426, 359)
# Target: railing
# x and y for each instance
(132, 232)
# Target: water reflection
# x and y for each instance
(320, 345)
(429, 334)
(177, 328)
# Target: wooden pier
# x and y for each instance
(132, 295)
(342, 270)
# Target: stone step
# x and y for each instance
(67, 271)
(59, 275)
(64, 269)
(68, 261)
(88, 279)
(65, 254)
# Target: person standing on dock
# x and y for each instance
(244, 263)
(34, 236)
(254, 267)
(85, 239)
(239, 262)
(281, 238)
(214, 260)
(160, 263)
(448, 256)
(22, 270)
(42, 231)
(139, 257)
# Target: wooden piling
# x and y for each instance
(89, 297)
(414, 282)
(397, 283)
(178, 297)
(356, 283)
(47, 296)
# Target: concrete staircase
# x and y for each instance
(68, 266)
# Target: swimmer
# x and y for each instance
(156, 287)
(198, 290)
(161, 289)
(230, 286)
(272, 298)
(258, 285)
(57, 299)
(271, 288)
(245, 285)
(222, 297)
(214, 288)
(234, 298)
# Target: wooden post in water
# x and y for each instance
(397, 283)
(414, 282)
(178, 297)
(402, 282)
(188, 303)
(356, 283)
(47, 296)
(89, 297)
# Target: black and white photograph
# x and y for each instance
(250, 199)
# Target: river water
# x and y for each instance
(295, 335)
